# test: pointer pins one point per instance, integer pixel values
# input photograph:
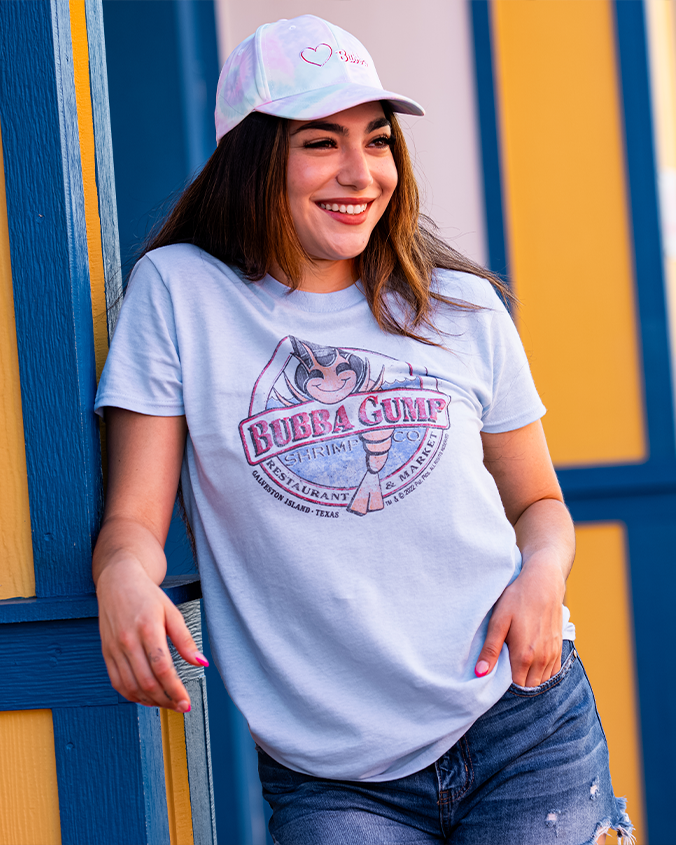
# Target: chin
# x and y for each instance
(340, 252)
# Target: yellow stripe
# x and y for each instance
(176, 778)
(17, 575)
(568, 230)
(29, 798)
(599, 598)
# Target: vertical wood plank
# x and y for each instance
(490, 148)
(199, 764)
(176, 777)
(105, 172)
(637, 112)
(52, 299)
(17, 577)
(111, 775)
(83, 102)
(29, 801)
(197, 745)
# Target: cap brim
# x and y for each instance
(322, 102)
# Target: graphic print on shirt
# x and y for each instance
(342, 427)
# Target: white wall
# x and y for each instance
(422, 49)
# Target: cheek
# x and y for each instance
(389, 177)
(303, 179)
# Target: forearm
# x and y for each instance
(124, 546)
(546, 538)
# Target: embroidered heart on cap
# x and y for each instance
(318, 55)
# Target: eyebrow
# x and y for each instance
(324, 125)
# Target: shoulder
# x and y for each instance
(171, 265)
(466, 287)
(168, 258)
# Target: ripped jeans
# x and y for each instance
(532, 770)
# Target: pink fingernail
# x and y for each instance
(481, 668)
(200, 658)
(183, 706)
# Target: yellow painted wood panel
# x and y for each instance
(176, 778)
(29, 798)
(599, 586)
(17, 575)
(568, 227)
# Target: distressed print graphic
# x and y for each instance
(341, 427)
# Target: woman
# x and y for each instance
(382, 540)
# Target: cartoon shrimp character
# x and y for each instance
(328, 375)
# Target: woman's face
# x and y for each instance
(340, 178)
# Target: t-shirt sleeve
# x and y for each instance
(143, 368)
(514, 400)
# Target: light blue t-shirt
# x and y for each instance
(351, 543)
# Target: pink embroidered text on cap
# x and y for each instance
(302, 69)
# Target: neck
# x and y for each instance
(321, 276)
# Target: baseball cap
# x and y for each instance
(303, 69)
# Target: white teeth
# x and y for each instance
(344, 209)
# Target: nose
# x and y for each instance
(354, 170)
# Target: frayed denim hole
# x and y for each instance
(595, 789)
(623, 826)
(552, 820)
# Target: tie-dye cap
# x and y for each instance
(303, 69)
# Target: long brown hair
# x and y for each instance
(237, 210)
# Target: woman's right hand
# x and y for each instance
(135, 615)
(135, 618)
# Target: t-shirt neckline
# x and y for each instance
(308, 301)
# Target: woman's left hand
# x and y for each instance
(528, 615)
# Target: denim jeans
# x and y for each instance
(530, 771)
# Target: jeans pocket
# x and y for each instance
(568, 659)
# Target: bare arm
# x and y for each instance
(135, 616)
(528, 615)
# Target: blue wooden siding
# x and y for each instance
(52, 299)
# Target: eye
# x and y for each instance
(342, 368)
(382, 141)
(323, 144)
(315, 374)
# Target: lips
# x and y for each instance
(345, 210)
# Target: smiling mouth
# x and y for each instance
(342, 387)
(344, 208)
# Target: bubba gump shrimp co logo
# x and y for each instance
(342, 428)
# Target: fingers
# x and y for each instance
(532, 663)
(141, 668)
(498, 628)
(532, 667)
(182, 638)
